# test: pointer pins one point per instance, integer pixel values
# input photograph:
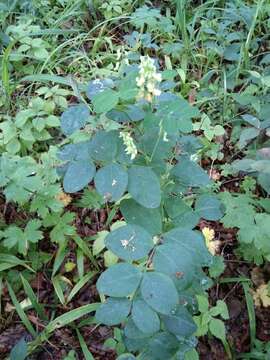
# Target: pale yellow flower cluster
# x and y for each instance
(210, 242)
(148, 79)
(131, 148)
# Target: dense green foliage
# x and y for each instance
(142, 112)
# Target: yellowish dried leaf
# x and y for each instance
(64, 198)
(261, 296)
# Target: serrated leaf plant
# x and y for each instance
(145, 168)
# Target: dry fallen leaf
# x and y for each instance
(64, 198)
(261, 296)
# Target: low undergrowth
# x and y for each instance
(134, 141)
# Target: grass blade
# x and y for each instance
(85, 249)
(21, 312)
(79, 285)
(87, 354)
(71, 316)
(59, 258)
(6, 259)
(30, 293)
(60, 321)
(251, 313)
(58, 289)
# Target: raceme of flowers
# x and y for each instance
(131, 148)
(148, 79)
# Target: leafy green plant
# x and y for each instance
(129, 149)
(207, 323)
(242, 213)
(30, 126)
(16, 237)
(114, 8)
(152, 287)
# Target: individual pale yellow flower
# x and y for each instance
(261, 296)
(210, 242)
(131, 148)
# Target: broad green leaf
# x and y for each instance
(78, 175)
(119, 280)
(79, 151)
(135, 345)
(19, 351)
(189, 173)
(104, 146)
(111, 182)
(175, 261)
(129, 242)
(163, 346)
(181, 214)
(144, 186)
(97, 86)
(130, 113)
(209, 207)
(264, 181)
(177, 115)
(180, 323)
(134, 213)
(131, 331)
(113, 311)
(74, 118)
(191, 241)
(217, 328)
(144, 317)
(159, 291)
(105, 101)
(247, 135)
